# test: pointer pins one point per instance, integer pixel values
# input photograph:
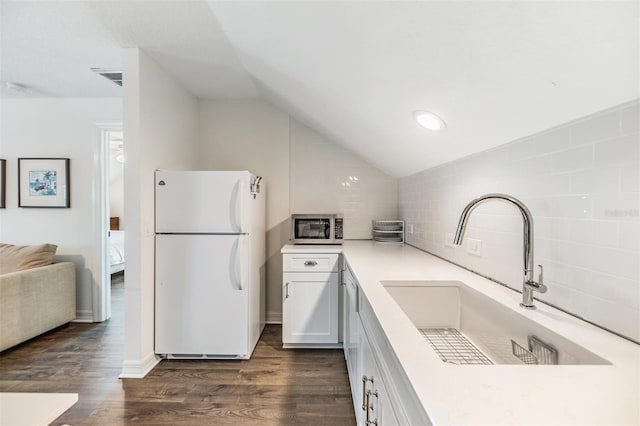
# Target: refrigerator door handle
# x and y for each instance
(240, 204)
(236, 273)
(239, 265)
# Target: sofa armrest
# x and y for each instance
(36, 300)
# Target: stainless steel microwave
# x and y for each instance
(316, 228)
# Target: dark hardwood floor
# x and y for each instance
(275, 387)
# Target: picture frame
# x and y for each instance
(44, 182)
(3, 184)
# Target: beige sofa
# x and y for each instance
(35, 300)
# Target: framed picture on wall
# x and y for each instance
(3, 184)
(43, 182)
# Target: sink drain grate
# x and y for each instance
(453, 347)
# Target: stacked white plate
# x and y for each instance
(388, 231)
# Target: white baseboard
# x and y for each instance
(274, 317)
(137, 369)
(84, 316)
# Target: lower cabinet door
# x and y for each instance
(351, 342)
(374, 404)
(310, 307)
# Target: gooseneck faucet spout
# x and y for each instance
(528, 284)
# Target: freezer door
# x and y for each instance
(202, 201)
(201, 299)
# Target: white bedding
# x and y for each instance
(116, 251)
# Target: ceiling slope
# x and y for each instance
(185, 38)
(495, 71)
(355, 71)
(49, 47)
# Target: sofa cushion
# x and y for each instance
(18, 258)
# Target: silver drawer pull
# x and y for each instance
(310, 263)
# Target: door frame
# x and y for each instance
(102, 288)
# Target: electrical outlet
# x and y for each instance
(410, 228)
(474, 247)
(448, 240)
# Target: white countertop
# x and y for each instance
(311, 248)
(495, 394)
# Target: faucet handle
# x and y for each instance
(540, 287)
(540, 275)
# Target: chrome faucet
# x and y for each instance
(528, 284)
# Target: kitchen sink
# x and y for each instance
(464, 326)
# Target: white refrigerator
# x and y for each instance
(209, 263)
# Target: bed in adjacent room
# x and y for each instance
(116, 247)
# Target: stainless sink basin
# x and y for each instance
(463, 326)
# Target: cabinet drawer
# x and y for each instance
(304, 262)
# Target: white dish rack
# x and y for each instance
(388, 231)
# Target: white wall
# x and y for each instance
(65, 128)
(303, 170)
(252, 135)
(327, 178)
(249, 135)
(581, 183)
(161, 127)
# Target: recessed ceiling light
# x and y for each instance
(429, 120)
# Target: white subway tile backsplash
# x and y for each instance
(520, 149)
(553, 141)
(607, 234)
(576, 206)
(630, 178)
(606, 179)
(616, 206)
(582, 231)
(556, 273)
(597, 128)
(600, 179)
(629, 120)
(551, 184)
(630, 236)
(622, 263)
(573, 254)
(613, 315)
(560, 295)
(580, 181)
(551, 228)
(572, 159)
(581, 280)
(613, 288)
(323, 181)
(625, 149)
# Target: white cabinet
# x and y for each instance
(370, 399)
(351, 331)
(310, 300)
(374, 399)
(381, 392)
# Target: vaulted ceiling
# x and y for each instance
(355, 71)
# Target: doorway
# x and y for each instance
(109, 216)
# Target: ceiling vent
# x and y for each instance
(112, 74)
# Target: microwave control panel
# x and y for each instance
(338, 230)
